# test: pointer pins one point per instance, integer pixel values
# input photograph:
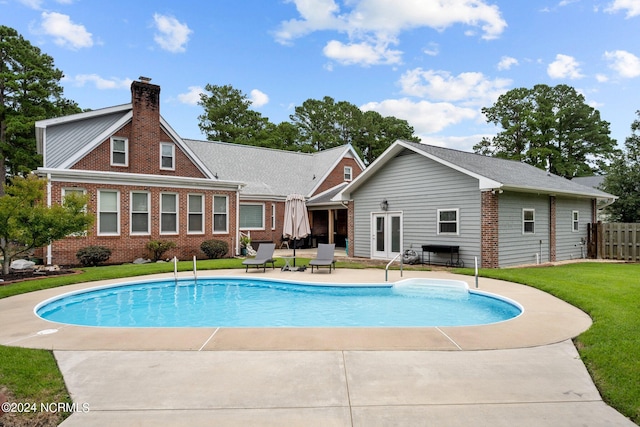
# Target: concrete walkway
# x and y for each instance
(523, 372)
(540, 386)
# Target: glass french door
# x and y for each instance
(387, 235)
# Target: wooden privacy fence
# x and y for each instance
(616, 240)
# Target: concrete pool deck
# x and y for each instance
(522, 372)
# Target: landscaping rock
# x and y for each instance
(141, 261)
(22, 264)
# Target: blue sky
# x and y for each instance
(432, 63)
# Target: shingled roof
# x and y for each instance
(492, 172)
(268, 172)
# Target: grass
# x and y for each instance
(609, 293)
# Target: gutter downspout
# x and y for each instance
(49, 248)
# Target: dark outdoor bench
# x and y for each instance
(443, 249)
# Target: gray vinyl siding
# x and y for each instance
(417, 187)
(568, 241)
(516, 247)
(67, 139)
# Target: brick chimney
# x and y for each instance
(145, 98)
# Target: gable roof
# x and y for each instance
(491, 172)
(267, 172)
(80, 133)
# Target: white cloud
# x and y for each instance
(624, 63)
(192, 97)
(471, 88)
(361, 53)
(32, 4)
(425, 117)
(379, 22)
(100, 82)
(601, 78)
(564, 66)
(631, 6)
(432, 50)
(506, 62)
(172, 34)
(258, 98)
(65, 33)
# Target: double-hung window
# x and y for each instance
(252, 216)
(348, 173)
(168, 213)
(220, 214)
(140, 212)
(575, 221)
(119, 151)
(448, 221)
(167, 156)
(528, 221)
(195, 214)
(108, 213)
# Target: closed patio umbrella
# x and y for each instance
(296, 220)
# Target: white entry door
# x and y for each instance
(386, 238)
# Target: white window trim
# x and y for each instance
(533, 221)
(252, 228)
(177, 213)
(226, 214)
(126, 152)
(173, 156)
(201, 213)
(348, 173)
(131, 212)
(438, 222)
(575, 221)
(273, 215)
(117, 233)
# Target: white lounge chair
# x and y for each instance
(324, 257)
(263, 257)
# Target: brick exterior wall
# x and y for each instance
(336, 176)
(489, 251)
(144, 134)
(126, 247)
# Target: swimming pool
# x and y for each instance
(244, 302)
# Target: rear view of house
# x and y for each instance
(502, 212)
(145, 182)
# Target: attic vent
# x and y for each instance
(144, 79)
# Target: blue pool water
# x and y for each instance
(237, 302)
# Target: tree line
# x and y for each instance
(316, 125)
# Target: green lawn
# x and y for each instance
(609, 293)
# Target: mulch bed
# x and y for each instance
(14, 277)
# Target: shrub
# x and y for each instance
(93, 255)
(214, 248)
(159, 247)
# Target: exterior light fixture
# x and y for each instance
(384, 205)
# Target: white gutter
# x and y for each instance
(49, 248)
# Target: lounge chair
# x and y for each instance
(263, 257)
(324, 257)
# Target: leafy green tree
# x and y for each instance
(549, 127)
(27, 223)
(228, 117)
(623, 179)
(376, 133)
(29, 91)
